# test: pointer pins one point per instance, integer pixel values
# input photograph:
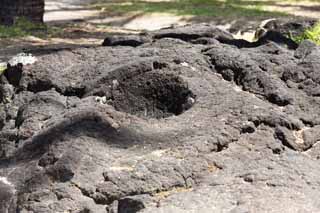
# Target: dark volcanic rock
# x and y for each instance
(290, 27)
(133, 204)
(193, 121)
(129, 40)
(278, 38)
(7, 196)
(189, 33)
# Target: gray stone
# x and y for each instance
(193, 121)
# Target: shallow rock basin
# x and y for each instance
(186, 120)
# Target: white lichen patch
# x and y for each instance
(22, 58)
(299, 135)
(184, 64)
(237, 89)
(6, 181)
(101, 100)
(159, 153)
(191, 101)
(121, 168)
(115, 84)
(256, 107)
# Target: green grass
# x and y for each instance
(207, 8)
(312, 34)
(23, 28)
(3, 67)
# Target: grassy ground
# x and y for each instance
(312, 34)
(206, 10)
(17, 38)
(24, 27)
(211, 8)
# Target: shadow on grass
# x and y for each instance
(210, 8)
(217, 11)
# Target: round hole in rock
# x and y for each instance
(154, 95)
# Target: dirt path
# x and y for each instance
(67, 11)
(90, 20)
(309, 9)
(78, 10)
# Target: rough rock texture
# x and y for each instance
(189, 122)
(129, 40)
(290, 27)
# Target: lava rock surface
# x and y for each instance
(186, 120)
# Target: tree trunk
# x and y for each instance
(10, 10)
